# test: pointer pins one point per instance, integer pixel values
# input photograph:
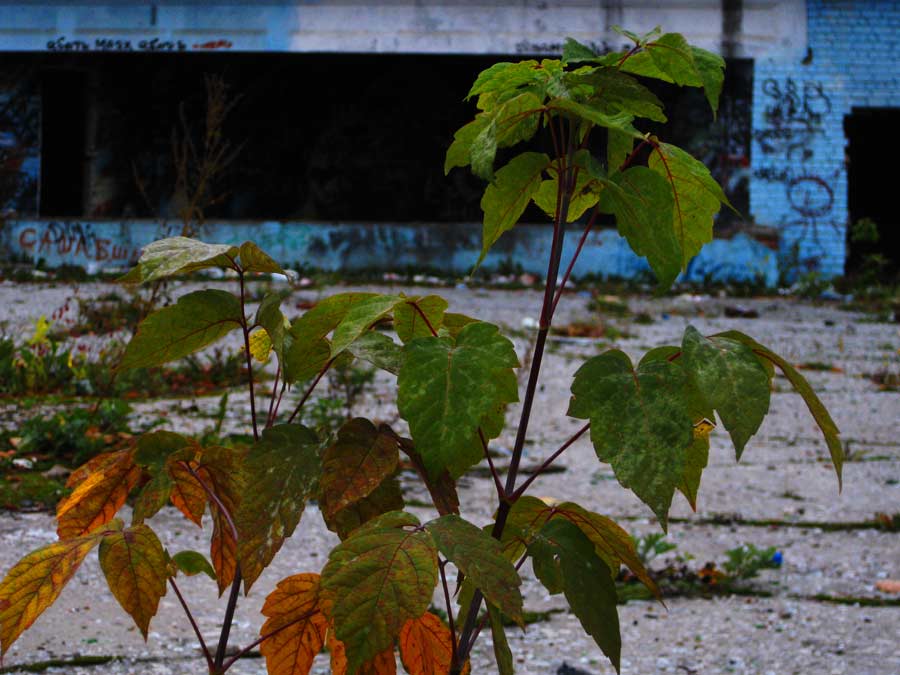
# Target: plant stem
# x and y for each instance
(564, 195)
(547, 462)
(309, 390)
(246, 332)
(501, 492)
(442, 565)
(269, 419)
(226, 623)
(568, 273)
(187, 611)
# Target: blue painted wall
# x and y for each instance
(451, 248)
(799, 176)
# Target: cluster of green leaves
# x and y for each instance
(455, 378)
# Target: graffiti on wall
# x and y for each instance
(74, 242)
(19, 143)
(63, 44)
(793, 122)
(792, 118)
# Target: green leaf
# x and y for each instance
(514, 121)
(575, 52)
(614, 92)
(153, 496)
(478, 555)
(361, 458)
(612, 543)
(378, 578)
(618, 148)
(697, 197)
(197, 320)
(587, 584)
(154, 448)
(711, 69)
(460, 151)
(453, 323)
(442, 489)
(256, 261)
(504, 76)
(642, 204)
(379, 350)
(731, 379)
(446, 389)
(280, 473)
(134, 564)
(829, 429)
(359, 318)
(385, 498)
(505, 199)
(696, 459)
(639, 423)
(673, 55)
(192, 563)
(584, 196)
(594, 114)
(502, 652)
(416, 317)
(306, 347)
(180, 255)
(270, 317)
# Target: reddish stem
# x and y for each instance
(547, 462)
(309, 390)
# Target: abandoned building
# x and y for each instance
(331, 120)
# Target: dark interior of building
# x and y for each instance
(319, 137)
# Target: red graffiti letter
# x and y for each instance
(102, 252)
(28, 238)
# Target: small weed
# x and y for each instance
(30, 490)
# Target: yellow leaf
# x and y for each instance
(99, 496)
(35, 582)
(260, 346)
(426, 647)
(296, 625)
(134, 564)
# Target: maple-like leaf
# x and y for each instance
(280, 474)
(356, 463)
(34, 583)
(639, 423)
(426, 647)
(99, 496)
(385, 498)
(295, 626)
(377, 579)
(447, 388)
(134, 564)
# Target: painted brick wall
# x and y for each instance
(799, 178)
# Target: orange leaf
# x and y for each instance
(219, 470)
(296, 625)
(426, 647)
(383, 664)
(357, 463)
(134, 564)
(35, 582)
(93, 464)
(187, 494)
(99, 496)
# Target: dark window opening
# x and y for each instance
(870, 187)
(63, 127)
(321, 137)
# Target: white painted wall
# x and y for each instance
(770, 28)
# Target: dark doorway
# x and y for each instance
(872, 186)
(63, 132)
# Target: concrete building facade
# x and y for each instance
(807, 78)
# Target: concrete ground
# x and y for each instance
(784, 477)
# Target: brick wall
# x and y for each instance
(799, 176)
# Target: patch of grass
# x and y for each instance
(30, 491)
